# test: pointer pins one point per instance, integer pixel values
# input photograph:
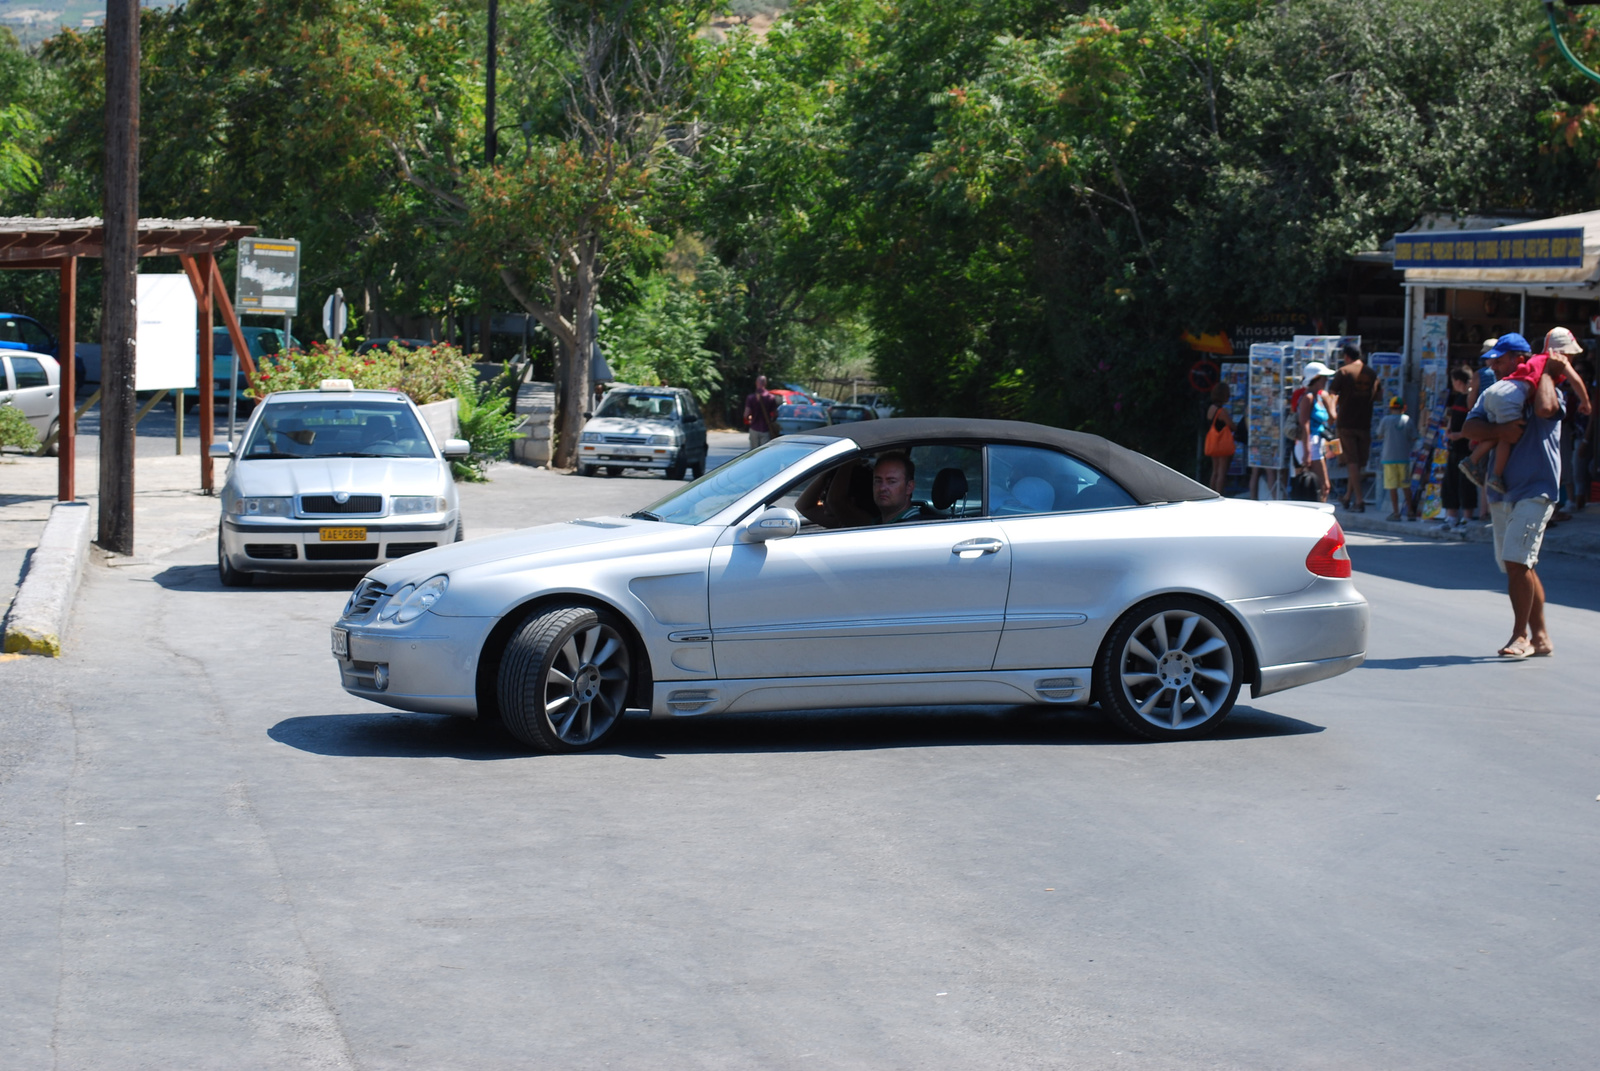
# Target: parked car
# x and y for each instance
(384, 343)
(845, 413)
(19, 332)
(331, 480)
(882, 403)
(657, 428)
(265, 343)
(801, 418)
(32, 383)
(1039, 566)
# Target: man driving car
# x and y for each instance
(893, 477)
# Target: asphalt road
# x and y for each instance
(211, 856)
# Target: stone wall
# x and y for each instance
(537, 402)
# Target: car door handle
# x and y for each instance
(976, 548)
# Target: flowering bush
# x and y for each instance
(427, 375)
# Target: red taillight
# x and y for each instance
(1329, 557)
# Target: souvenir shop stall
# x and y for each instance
(1273, 373)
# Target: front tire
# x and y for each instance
(1170, 669)
(564, 679)
(585, 470)
(231, 577)
(676, 470)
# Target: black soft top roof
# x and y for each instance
(1147, 481)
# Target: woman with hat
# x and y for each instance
(1314, 414)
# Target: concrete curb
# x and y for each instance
(38, 617)
(1579, 538)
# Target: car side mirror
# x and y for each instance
(776, 522)
(588, 416)
(457, 448)
(222, 450)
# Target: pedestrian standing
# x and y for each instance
(1457, 494)
(1397, 433)
(1520, 514)
(1314, 416)
(1355, 386)
(761, 413)
(1220, 444)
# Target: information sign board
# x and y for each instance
(165, 344)
(268, 281)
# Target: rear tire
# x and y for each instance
(564, 679)
(1170, 669)
(460, 528)
(231, 577)
(54, 449)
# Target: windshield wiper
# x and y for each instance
(256, 455)
(644, 515)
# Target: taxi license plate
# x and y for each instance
(341, 643)
(342, 535)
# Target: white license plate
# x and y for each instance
(341, 643)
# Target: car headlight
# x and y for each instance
(590, 437)
(240, 506)
(412, 601)
(669, 439)
(416, 504)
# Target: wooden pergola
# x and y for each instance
(56, 244)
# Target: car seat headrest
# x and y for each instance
(949, 487)
(1034, 493)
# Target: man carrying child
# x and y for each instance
(1504, 401)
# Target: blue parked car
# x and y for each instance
(265, 343)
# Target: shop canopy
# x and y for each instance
(1556, 257)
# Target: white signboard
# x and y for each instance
(165, 339)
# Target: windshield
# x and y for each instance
(638, 405)
(726, 484)
(329, 428)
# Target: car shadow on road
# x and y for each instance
(382, 734)
(396, 735)
(1430, 661)
(204, 578)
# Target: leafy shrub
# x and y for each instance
(15, 429)
(427, 375)
(488, 425)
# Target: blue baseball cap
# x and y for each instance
(1511, 342)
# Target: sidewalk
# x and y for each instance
(169, 510)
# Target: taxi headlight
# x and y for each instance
(590, 437)
(416, 504)
(239, 506)
(415, 604)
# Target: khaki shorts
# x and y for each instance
(1394, 475)
(1519, 530)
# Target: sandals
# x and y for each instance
(1518, 648)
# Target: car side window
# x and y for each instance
(28, 372)
(1030, 479)
(946, 485)
(34, 336)
(691, 412)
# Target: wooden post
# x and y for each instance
(219, 294)
(491, 137)
(200, 280)
(67, 354)
(119, 316)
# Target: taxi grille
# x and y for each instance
(327, 504)
(342, 552)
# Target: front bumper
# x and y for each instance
(628, 456)
(431, 664)
(297, 546)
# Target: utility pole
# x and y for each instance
(491, 143)
(119, 317)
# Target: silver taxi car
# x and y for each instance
(1032, 565)
(332, 481)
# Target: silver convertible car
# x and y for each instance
(882, 563)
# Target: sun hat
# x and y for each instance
(1507, 343)
(1488, 344)
(1313, 370)
(1560, 340)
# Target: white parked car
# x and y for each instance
(657, 428)
(332, 481)
(32, 383)
(1032, 566)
